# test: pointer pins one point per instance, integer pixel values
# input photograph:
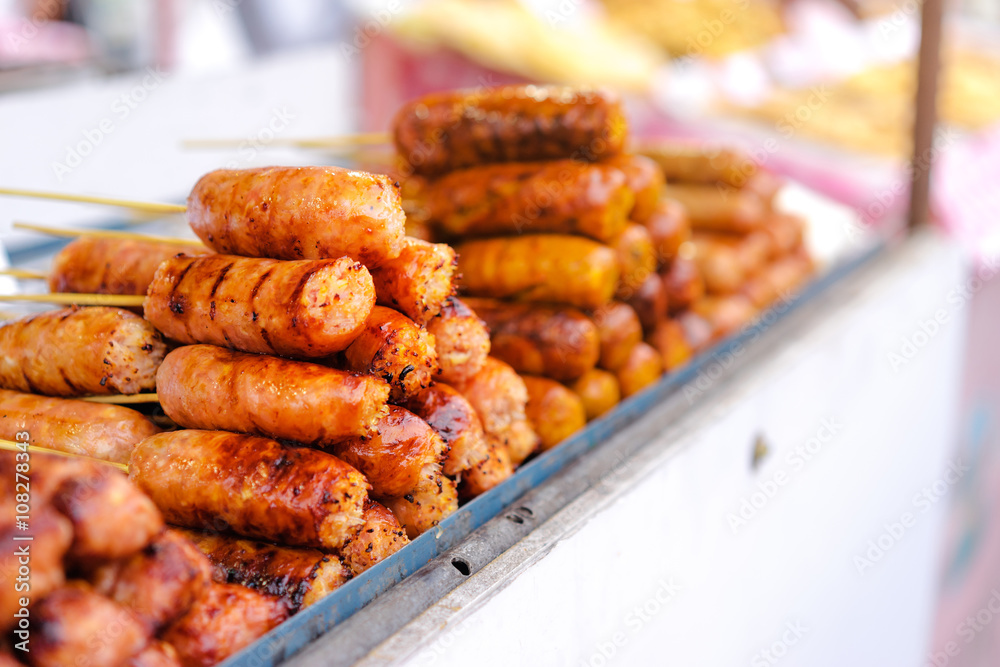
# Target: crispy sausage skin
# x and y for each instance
(254, 486)
(446, 131)
(487, 473)
(402, 454)
(380, 537)
(392, 347)
(643, 368)
(51, 535)
(75, 621)
(683, 283)
(554, 411)
(418, 282)
(91, 265)
(309, 309)
(461, 339)
(298, 213)
(719, 208)
(636, 258)
(106, 432)
(561, 197)
(669, 340)
(725, 314)
(540, 267)
(645, 179)
(521, 440)
(224, 620)
(498, 394)
(651, 301)
(298, 576)
(719, 264)
(208, 387)
(599, 391)
(158, 584)
(691, 164)
(156, 654)
(669, 227)
(80, 351)
(618, 329)
(426, 506)
(556, 342)
(454, 419)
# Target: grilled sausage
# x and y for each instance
(521, 440)
(751, 251)
(683, 283)
(697, 331)
(380, 537)
(651, 301)
(725, 314)
(156, 654)
(669, 227)
(719, 264)
(298, 213)
(643, 368)
(80, 351)
(454, 419)
(392, 347)
(555, 412)
(208, 387)
(691, 164)
(158, 584)
(669, 340)
(298, 576)
(401, 455)
(540, 267)
(51, 535)
(461, 339)
(418, 281)
(304, 309)
(223, 621)
(561, 197)
(719, 208)
(556, 342)
(426, 506)
(106, 432)
(645, 179)
(91, 265)
(636, 259)
(599, 391)
(452, 130)
(498, 394)
(75, 622)
(618, 329)
(254, 486)
(786, 232)
(487, 473)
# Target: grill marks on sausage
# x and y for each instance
(215, 286)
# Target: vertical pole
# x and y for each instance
(926, 112)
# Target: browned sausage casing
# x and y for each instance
(683, 283)
(253, 486)
(643, 368)
(392, 347)
(487, 473)
(418, 281)
(106, 432)
(540, 267)
(305, 309)
(224, 620)
(560, 343)
(156, 654)
(725, 314)
(554, 411)
(651, 301)
(461, 339)
(75, 622)
(636, 259)
(599, 391)
(619, 329)
(669, 339)
(562, 197)
(425, 507)
(645, 179)
(521, 440)
(669, 227)
(498, 394)
(91, 265)
(455, 420)
(691, 164)
(298, 576)
(80, 351)
(785, 231)
(719, 208)
(51, 534)
(158, 584)
(298, 213)
(380, 537)
(402, 453)
(446, 131)
(719, 264)
(208, 387)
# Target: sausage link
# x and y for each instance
(645, 179)
(785, 231)
(669, 227)
(442, 132)
(254, 486)
(487, 473)
(380, 537)
(106, 432)
(50, 536)
(498, 394)
(304, 309)
(562, 197)
(683, 283)
(418, 282)
(555, 412)
(560, 343)
(521, 440)
(540, 267)
(651, 301)
(461, 339)
(80, 351)
(392, 347)
(425, 507)
(719, 264)
(719, 208)
(669, 340)
(643, 368)
(689, 164)
(454, 419)
(619, 330)
(599, 391)
(298, 213)
(725, 314)
(697, 331)
(636, 258)
(208, 387)
(156, 654)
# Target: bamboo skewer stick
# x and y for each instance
(71, 298)
(104, 234)
(346, 142)
(152, 207)
(24, 275)
(123, 399)
(11, 446)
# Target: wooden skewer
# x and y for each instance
(347, 142)
(153, 207)
(71, 298)
(123, 399)
(24, 275)
(12, 446)
(104, 234)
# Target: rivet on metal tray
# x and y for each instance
(760, 450)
